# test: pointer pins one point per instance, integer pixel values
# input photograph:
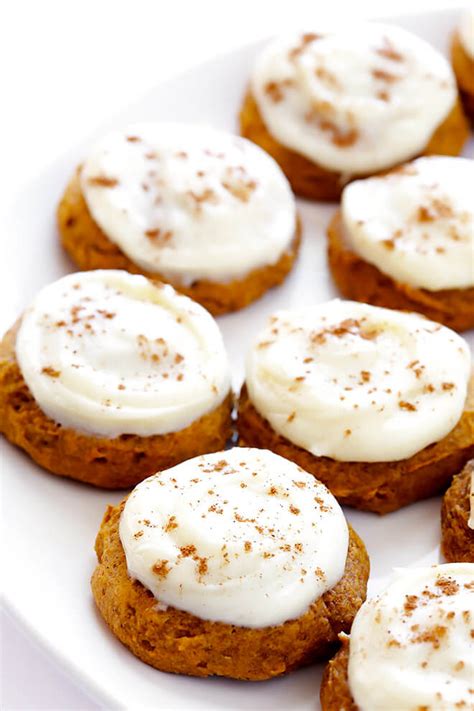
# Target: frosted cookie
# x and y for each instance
(410, 648)
(375, 403)
(405, 240)
(457, 517)
(108, 376)
(236, 564)
(462, 57)
(206, 211)
(332, 106)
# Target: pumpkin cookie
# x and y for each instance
(236, 564)
(334, 106)
(373, 402)
(206, 211)
(457, 517)
(418, 636)
(405, 240)
(462, 57)
(108, 376)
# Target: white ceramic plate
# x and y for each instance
(51, 523)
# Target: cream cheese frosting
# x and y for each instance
(356, 382)
(189, 202)
(111, 353)
(466, 32)
(416, 224)
(418, 636)
(356, 100)
(243, 537)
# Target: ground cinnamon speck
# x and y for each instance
(102, 181)
(161, 568)
(171, 524)
(51, 372)
(403, 405)
(187, 551)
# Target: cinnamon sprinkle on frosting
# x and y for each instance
(269, 537)
(411, 630)
(326, 377)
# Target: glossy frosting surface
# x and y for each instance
(416, 224)
(243, 537)
(412, 646)
(189, 202)
(356, 382)
(356, 99)
(109, 353)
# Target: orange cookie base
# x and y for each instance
(335, 693)
(457, 539)
(463, 66)
(177, 641)
(311, 180)
(116, 463)
(90, 248)
(358, 280)
(372, 486)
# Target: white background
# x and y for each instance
(66, 66)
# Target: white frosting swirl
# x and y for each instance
(412, 646)
(243, 537)
(189, 202)
(466, 32)
(417, 223)
(358, 383)
(110, 353)
(356, 100)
